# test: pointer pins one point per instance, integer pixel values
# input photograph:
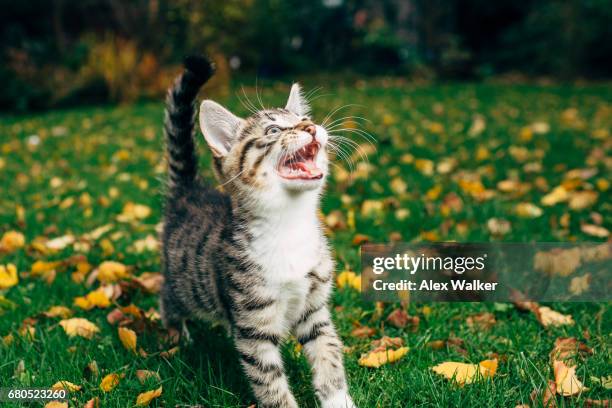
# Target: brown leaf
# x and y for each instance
(115, 316)
(363, 332)
(92, 403)
(567, 348)
(360, 239)
(399, 318)
(151, 282)
(481, 321)
(144, 375)
(547, 395)
(597, 403)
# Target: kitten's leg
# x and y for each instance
(173, 317)
(262, 362)
(323, 349)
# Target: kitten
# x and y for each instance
(254, 257)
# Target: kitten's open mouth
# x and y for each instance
(301, 165)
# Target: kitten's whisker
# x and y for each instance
(329, 115)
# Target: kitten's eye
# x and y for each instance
(273, 130)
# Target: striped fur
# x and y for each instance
(255, 257)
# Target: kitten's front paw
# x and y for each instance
(340, 399)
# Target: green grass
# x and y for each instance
(96, 149)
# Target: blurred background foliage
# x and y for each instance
(66, 52)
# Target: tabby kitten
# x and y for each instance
(254, 257)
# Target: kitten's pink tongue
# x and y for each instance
(309, 167)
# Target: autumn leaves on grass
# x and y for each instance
(387, 350)
(115, 281)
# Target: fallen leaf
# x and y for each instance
(58, 311)
(111, 271)
(12, 241)
(149, 243)
(144, 375)
(41, 268)
(56, 404)
(464, 373)
(348, 278)
(8, 276)
(363, 332)
(96, 298)
(92, 403)
(91, 370)
(498, 226)
(115, 316)
(336, 220)
(78, 326)
(377, 358)
(566, 381)
(557, 195)
(109, 382)
(145, 398)
(150, 281)
(582, 199)
(400, 319)
(547, 396)
(588, 402)
(386, 342)
(66, 385)
(580, 284)
(566, 348)
(128, 338)
(549, 317)
(481, 321)
(169, 353)
(528, 210)
(360, 239)
(133, 212)
(59, 243)
(595, 230)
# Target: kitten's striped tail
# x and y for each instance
(179, 121)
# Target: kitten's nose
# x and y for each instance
(312, 129)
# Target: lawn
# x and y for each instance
(441, 153)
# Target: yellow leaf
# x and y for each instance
(348, 278)
(145, 398)
(97, 298)
(56, 404)
(58, 311)
(65, 385)
(528, 210)
(464, 373)
(109, 382)
(128, 338)
(8, 276)
(111, 271)
(377, 358)
(11, 241)
(566, 380)
(433, 193)
(582, 199)
(78, 326)
(133, 212)
(558, 195)
(40, 268)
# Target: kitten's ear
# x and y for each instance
(219, 127)
(296, 102)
